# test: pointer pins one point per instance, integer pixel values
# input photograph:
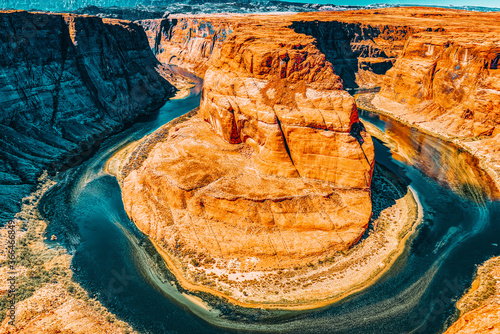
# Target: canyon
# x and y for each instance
(437, 71)
(268, 195)
(67, 82)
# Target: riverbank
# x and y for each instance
(487, 162)
(48, 300)
(328, 279)
(132, 155)
(480, 306)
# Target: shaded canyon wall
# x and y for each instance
(66, 82)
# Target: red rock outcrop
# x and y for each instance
(360, 53)
(281, 97)
(480, 307)
(448, 81)
(274, 171)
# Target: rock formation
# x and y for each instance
(448, 81)
(188, 42)
(273, 172)
(437, 69)
(480, 307)
(66, 82)
(53, 310)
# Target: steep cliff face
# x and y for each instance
(188, 42)
(66, 82)
(480, 307)
(448, 81)
(360, 53)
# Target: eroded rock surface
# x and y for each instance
(480, 307)
(52, 309)
(437, 68)
(66, 82)
(274, 171)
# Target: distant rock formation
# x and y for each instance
(188, 42)
(450, 81)
(66, 82)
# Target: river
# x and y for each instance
(118, 265)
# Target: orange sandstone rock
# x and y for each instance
(485, 319)
(274, 171)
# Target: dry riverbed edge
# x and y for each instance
(318, 284)
(48, 300)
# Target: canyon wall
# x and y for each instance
(66, 82)
(449, 81)
(188, 42)
(360, 53)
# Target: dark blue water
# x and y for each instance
(117, 264)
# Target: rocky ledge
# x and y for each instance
(480, 307)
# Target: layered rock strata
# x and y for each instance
(188, 42)
(273, 172)
(360, 53)
(66, 82)
(277, 149)
(437, 68)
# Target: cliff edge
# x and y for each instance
(67, 82)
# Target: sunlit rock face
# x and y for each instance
(275, 166)
(65, 82)
(449, 80)
(280, 96)
(188, 42)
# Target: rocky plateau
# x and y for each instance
(274, 175)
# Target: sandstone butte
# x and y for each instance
(274, 171)
(437, 69)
